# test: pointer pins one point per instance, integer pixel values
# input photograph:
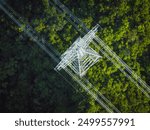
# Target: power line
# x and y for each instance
(32, 34)
(115, 59)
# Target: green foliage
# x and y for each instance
(28, 81)
(21, 29)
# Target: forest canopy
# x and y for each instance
(28, 82)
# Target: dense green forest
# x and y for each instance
(28, 82)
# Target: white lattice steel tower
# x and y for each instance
(80, 56)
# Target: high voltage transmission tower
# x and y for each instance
(80, 56)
